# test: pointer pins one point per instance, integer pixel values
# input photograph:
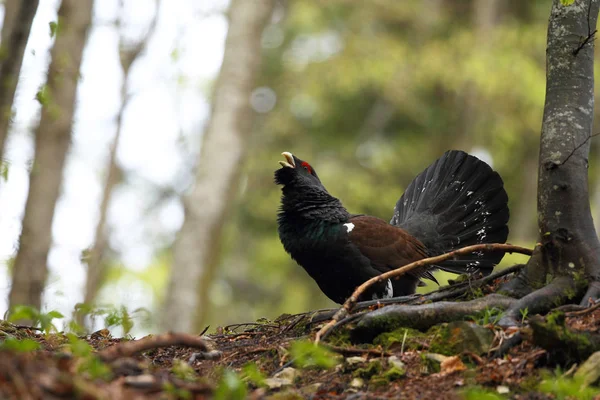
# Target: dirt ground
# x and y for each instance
(63, 367)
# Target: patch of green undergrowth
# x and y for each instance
(563, 387)
(307, 354)
(230, 387)
(42, 320)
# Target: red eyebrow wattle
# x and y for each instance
(307, 165)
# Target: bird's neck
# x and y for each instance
(312, 206)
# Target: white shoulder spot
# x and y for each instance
(389, 292)
(349, 226)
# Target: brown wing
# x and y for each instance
(387, 246)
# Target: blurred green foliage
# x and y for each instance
(370, 93)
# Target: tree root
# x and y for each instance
(424, 316)
(129, 348)
(540, 301)
(452, 291)
(353, 299)
(592, 295)
(564, 345)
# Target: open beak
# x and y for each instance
(289, 160)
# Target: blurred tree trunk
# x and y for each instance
(52, 140)
(18, 16)
(96, 268)
(197, 245)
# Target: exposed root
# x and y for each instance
(553, 295)
(592, 295)
(353, 299)
(128, 349)
(424, 316)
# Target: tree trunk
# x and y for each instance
(96, 270)
(570, 250)
(52, 140)
(196, 248)
(18, 16)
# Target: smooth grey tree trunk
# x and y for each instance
(52, 140)
(18, 16)
(569, 255)
(206, 207)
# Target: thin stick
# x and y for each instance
(353, 299)
(583, 312)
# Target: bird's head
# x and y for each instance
(295, 172)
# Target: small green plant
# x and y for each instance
(308, 354)
(251, 374)
(489, 316)
(37, 318)
(479, 393)
(230, 387)
(89, 363)
(19, 345)
(4, 170)
(184, 371)
(176, 392)
(524, 313)
(563, 387)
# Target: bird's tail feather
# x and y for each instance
(455, 202)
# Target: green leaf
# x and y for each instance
(24, 312)
(252, 374)
(4, 170)
(567, 3)
(308, 354)
(230, 387)
(43, 96)
(53, 28)
(19, 346)
(78, 347)
(183, 371)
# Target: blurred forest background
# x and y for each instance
(166, 205)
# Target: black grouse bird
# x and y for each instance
(455, 202)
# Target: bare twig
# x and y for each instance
(128, 349)
(590, 34)
(583, 312)
(580, 145)
(352, 300)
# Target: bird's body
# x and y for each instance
(457, 201)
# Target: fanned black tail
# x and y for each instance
(455, 202)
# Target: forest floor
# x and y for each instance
(276, 360)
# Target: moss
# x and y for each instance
(394, 373)
(565, 346)
(429, 366)
(340, 338)
(412, 341)
(373, 368)
(530, 384)
(443, 340)
(287, 395)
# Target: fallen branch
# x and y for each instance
(353, 299)
(128, 349)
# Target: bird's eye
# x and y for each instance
(307, 167)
